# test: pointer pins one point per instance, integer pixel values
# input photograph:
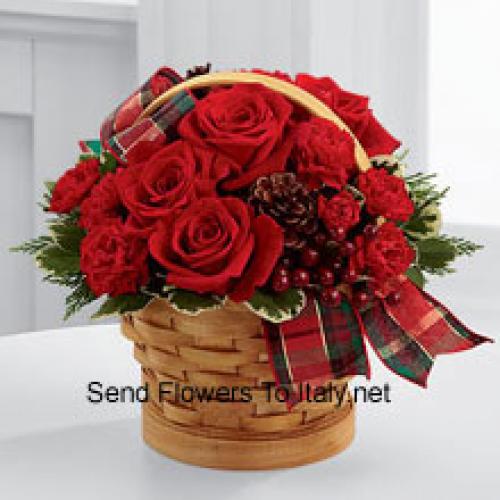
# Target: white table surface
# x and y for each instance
(54, 444)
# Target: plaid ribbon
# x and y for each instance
(408, 335)
(125, 136)
(321, 344)
(326, 343)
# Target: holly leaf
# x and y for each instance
(277, 307)
(415, 275)
(416, 225)
(58, 261)
(108, 163)
(67, 236)
(192, 303)
(435, 253)
(122, 304)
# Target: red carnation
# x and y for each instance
(385, 195)
(74, 185)
(246, 123)
(215, 243)
(114, 260)
(341, 211)
(323, 153)
(354, 111)
(103, 206)
(387, 254)
(172, 178)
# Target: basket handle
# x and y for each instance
(294, 93)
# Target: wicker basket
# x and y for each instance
(225, 347)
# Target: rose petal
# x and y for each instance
(377, 140)
(269, 241)
(274, 163)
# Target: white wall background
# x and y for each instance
(63, 67)
(65, 64)
(464, 107)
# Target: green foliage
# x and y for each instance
(434, 255)
(67, 235)
(426, 219)
(416, 276)
(435, 252)
(58, 261)
(392, 163)
(461, 245)
(49, 186)
(62, 256)
(424, 191)
(33, 246)
(58, 254)
(108, 163)
(277, 307)
(192, 303)
(47, 195)
(80, 296)
(122, 304)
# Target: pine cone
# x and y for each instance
(290, 204)
(198, 70)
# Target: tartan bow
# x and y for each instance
(126, 135)
(325, 343)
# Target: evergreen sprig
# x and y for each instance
(462, 246)
(47, 195)
(424, 191)
(80, 296)
(435, 252)
(34, 245)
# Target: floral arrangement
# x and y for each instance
(237, 193)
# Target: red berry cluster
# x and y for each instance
(321, 266)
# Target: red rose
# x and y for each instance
(387, 254)
(385, 195)
(341, 211)
(323, 153)
(247, 124)
(74, 185)
(137, 226)
(172, 178)
(354, 111)
(216, 245)
(114, 260)
(103, 206)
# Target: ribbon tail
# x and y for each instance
(429, 323)
(397, 350)
(459, 328)
(320, 345)
(408, 335)
(326, 343)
